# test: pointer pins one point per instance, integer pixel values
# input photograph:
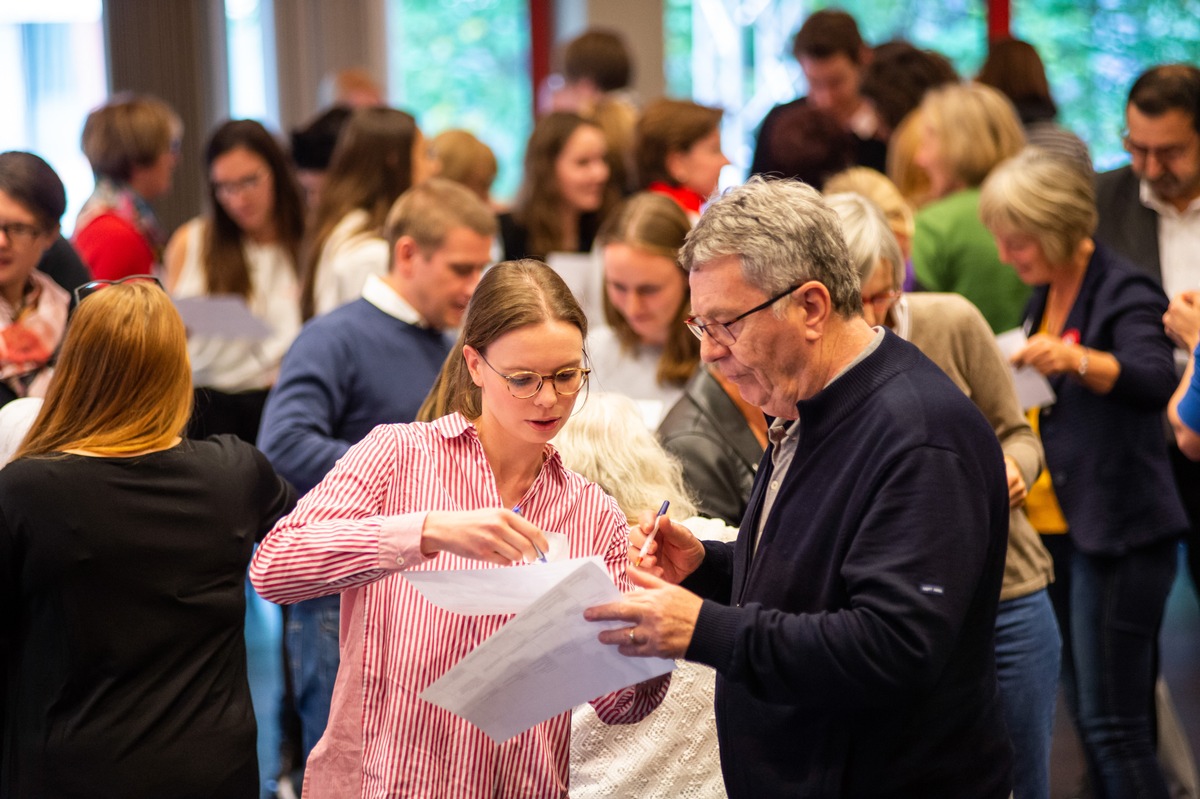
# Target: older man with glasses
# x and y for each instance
(851, 624)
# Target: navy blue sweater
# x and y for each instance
(854, 650)
(348, 371)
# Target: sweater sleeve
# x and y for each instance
(990, 381)
(301, 413)
(112, 248)
(338, 536)
(910, 577)
(1134, 314)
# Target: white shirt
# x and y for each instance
(351, 254)
(633, 374)
(1178, 242)
(377, 292)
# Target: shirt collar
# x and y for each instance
(1162, 207)
(385, 298)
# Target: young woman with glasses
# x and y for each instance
(477, 483)
(248, 246)
(123, 548)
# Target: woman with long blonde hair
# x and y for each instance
(124, 548)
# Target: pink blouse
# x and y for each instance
(352, 534)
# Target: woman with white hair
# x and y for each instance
(673, 751)
(955, 336)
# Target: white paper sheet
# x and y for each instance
(221, 316)
(1033, 389)
(490, 592)
(544, 662)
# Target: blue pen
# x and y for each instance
(646, 546)
(541, 555)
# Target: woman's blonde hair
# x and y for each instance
(654, 223)
(123, 383)
(875, 186)
(607, 442)
(511, 295)
(902, 169)
(465, 159)
(1042, 196)
(128, 131)
(977, 128)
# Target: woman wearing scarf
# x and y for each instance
(33, 308)
(132, 143)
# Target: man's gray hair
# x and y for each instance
(784, 234)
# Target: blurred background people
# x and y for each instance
(673, 751)
(809, 145)
(966, 129)
(312, 149)
(564, 193)
(379, 155)
(33, 308)
(833, 56)
(132, 143)
(677, 150)
(1106, 504)
(897, 77)
(459, 156)
(876, 187)
(954, 335)
(248, 246)
(126, 658)
(1015, 68)
(645, 351)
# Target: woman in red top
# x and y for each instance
(678, 152)
(132, 143)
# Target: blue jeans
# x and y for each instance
(311, 638)
(1028, 650)
(1111, 619)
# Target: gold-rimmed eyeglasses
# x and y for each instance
(523, 385)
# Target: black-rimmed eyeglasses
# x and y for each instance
(719, 332)
(523, 385)
(92, 286)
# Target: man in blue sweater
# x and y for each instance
(370, 362)
(851, 624)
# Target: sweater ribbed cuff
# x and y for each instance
(712, 640)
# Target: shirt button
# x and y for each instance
(399, 560)
(774, 485)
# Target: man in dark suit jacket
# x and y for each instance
(1150, 213)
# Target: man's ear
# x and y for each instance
(814, 299)
(404, 256)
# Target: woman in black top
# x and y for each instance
(123, 550)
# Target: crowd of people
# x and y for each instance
(890, 562)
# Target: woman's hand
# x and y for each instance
(1050, 355)
(1182, 320)
(1016, 483)
(674, 553)
(494, 535)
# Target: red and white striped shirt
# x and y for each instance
(352, 534)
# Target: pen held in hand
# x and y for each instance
(541, 556)
(653, 531)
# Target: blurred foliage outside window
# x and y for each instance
(1093, 51)
(465, 64)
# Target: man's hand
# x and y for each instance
(659, 618)
(1016, 483)
(494, 535)
(674, 553)
(1182, 320)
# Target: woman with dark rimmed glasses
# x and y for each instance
(33, 308)
(479, 482)
(123, 548)
(248, 246)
